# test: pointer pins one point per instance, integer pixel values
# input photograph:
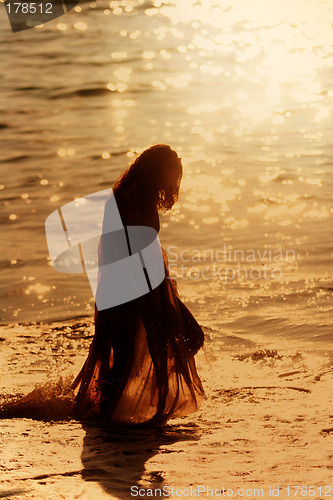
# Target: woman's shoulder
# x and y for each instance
(132, 214)
(153, 221)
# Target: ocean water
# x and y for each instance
(243, 91)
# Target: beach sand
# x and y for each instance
(266, 422)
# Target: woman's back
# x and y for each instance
(132, 214)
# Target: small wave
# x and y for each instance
(228, 395)
(147, 4)
(29, 181)
(88, 92)
(72, 322)
(111, 153)
(284, 177)
(15, 159)
(9, 198)
(7, 263)
(28, 88)
(259, 355)
(53, 400)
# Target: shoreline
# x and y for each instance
(243, 436)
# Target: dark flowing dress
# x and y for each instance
(140, 369)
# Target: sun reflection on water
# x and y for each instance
(241, 89)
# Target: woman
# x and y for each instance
(140, 369)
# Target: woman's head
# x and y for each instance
(154, 176)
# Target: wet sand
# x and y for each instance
(266, 421)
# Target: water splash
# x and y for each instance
(53, 400)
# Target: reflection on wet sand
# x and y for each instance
(115, 456)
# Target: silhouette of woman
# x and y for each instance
(140, 370)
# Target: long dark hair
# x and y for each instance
(154, 178)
